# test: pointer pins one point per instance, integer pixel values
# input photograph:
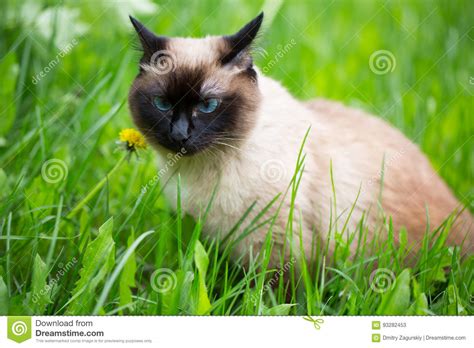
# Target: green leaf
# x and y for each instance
(178, 294)
(98, 260)
(3, 182)
(100, 303)
(40, 290)
(282, 309)
(397, 299)
(202, 262)
(439, 272)
(9, 72)
(454, 302)
(127, 278)
(85, 231)
(420, 306)
(3, 297)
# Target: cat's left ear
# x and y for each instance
(237, 44)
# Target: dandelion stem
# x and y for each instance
(96, 188)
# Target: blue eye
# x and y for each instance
(209, 105)
(162, 104)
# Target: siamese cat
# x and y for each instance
(238, 134)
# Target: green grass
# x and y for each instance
(111, 254)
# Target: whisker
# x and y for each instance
(225, 144)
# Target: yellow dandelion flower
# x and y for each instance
(133, 139)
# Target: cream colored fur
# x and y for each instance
(354, 142)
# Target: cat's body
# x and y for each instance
(357, 145)
(254, 160)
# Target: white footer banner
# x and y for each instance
(181, 331)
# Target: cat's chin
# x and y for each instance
(193, 153)
(183, 151)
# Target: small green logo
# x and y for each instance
(19, 328)
(375, 337)
(317, 322)
(376, 325)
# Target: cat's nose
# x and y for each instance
(180, 130)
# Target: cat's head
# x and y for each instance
(192, 94)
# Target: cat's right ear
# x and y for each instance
(149, 41)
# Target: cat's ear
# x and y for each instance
(238, 43)
(149, 41)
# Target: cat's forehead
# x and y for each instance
(189, 64)
(191, 52)
(201, 65)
